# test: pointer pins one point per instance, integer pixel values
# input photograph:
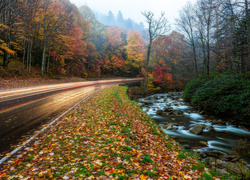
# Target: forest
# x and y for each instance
(211, 36)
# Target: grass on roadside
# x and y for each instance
(106, 137)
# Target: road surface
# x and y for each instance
(25, 110)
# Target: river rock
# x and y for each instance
(168, 109)
(231, 158)
(168, 105)
(222, 171)
(202, 155)
(148, 103)
(210, 161)
(186, 146)
(160, 112)
(216, 153)
(203, 143)
(169, 126)
(210, 129)
(155, 97)
(218, 122)
(197, 129)
(238, 167)
(201, 112)
(178, 112)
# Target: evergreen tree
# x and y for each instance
(111, 21)
(120, 20)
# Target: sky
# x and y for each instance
(133, 8)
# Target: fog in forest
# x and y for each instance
(132, 9)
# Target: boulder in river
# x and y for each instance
(160, 112)
(203, 143)
(210, 129)
(169, 126)
(156, 97)
(231, 158)
(218, 122)
(161, 125)
(221, 171)
(197, 129)
(148, 103)
(168, 109)
(178, 112)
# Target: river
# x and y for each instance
(177, 118)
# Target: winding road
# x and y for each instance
(23, 111)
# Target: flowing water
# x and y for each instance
(222, 139)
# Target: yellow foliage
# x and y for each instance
(16, 46)
(4, 26)
(4, 46)
(151, 86)
(134, 49)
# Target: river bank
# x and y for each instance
(221, 144)
(106, 137)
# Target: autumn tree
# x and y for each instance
(162, 76)
(156, 28)
(114, 60)
(55, 15)
(71, 47)
(135, 52)
(8, 28)
(96, 42)
(170, 54)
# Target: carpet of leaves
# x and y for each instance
(106, 137)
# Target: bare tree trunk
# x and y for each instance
(156, 28)
(195, 60)
(48, 58)
(243, 69)
(24, 52)
(43, 59)
(208, 60)
(44, 38)
(146, 65)
(30, 57)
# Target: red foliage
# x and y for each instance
(161, 75)
(53, 54)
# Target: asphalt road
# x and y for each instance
(24, 111)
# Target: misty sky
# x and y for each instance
(133, 8)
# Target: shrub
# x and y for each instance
(227, 94)
(192, 86)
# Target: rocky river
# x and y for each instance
(221, 144)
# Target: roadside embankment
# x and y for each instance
(106, 137)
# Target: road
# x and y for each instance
(25, 110)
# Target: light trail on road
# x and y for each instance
(24, 112)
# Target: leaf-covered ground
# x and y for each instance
(106, 137)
